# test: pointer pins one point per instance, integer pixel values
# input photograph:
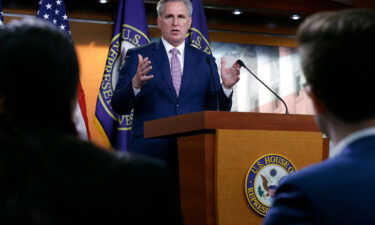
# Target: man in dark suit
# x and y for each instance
(170, 78)
(337, 54)
(49, 176)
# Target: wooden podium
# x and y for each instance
(216, 150)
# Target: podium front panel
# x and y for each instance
(236, 151)
(196, 155)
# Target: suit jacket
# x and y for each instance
(52, 178)
(337, 191)
(157, 99)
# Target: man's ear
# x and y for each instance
(158, 20)
(318, 104)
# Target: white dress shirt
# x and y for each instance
(180, 48)
(337, 150)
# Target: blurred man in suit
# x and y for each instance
(169, 78)
(47, 175)
(337, 53)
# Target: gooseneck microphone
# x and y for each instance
(239, 62)
(214, 84)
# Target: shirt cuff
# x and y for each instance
(136, 91)
(227, 92)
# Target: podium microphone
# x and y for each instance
(239, 62)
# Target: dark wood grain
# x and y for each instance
(197, 178)
(325, 153)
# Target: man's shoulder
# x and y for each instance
(315, 189)
(327, 174)
(89, 177)
(195, 50)
(92, 160)
(143, 48)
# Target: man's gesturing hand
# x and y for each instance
(231, 75)
(141, 77)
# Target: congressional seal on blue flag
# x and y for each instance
(263, 178)
(130, 31)
(198, 33)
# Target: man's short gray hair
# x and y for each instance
(161, 5)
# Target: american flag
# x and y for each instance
(54, 11)
(1, 14)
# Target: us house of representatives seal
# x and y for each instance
(263, 178)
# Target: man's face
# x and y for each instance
(174, 22)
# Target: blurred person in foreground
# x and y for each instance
(47, 175)
(337, 54)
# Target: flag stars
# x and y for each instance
(54, 11)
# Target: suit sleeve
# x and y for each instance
(291, 206)
(225, 103)
(123, 99)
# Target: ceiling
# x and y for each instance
(279, 8)
(266, 16)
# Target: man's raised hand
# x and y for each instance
(141, 77)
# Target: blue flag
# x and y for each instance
(198, 34)
(130, 31)
(1, 14)
(54, 12)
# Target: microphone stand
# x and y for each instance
(244, 66)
